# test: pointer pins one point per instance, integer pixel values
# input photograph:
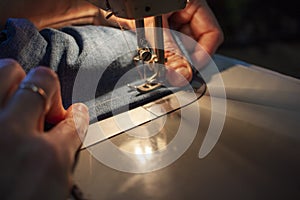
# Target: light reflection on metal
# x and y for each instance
(145, 139)
(110, 127)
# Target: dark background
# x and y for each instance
(261, 32)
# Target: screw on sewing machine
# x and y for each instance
(145, 54)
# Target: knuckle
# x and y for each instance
(69, 124)
(72, 132)
(8, 61)
(46, 74)
(11, 67)
(75, 133)
(45, 78)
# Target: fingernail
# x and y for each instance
(81, 107)
(183, 71)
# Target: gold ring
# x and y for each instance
(33, 88)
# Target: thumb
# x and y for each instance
(71, 131)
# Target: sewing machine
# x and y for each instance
(258, 114)
(138, 10)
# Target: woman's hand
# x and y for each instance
(36, 164)
(198, 22)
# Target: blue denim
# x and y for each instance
(93, 50)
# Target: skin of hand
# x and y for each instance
(37, 164)
(49, 13)
(198, 22)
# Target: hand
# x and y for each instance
(36, 164)
(197, 21)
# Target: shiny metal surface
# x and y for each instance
(112, 126)
(120, 123)
(256, 157)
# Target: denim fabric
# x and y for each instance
(21, 41)
(91, 63)
(67, 50)
(94, 51)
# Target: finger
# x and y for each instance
(198, 22)
(179, 75)
(179, 69)
(177, 19)
(11, 74)
(69, 133)
(206, 29)
(30, 107)
(207, 46)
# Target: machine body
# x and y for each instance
(138, 9)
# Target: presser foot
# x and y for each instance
(145, 87)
